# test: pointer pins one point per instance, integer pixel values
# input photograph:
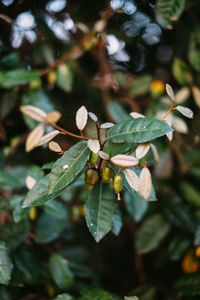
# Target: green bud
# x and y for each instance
(118, 183)
(94, 157)
(106, 174)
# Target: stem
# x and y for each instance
(169, 111)
(66, 132)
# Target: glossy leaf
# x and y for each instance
(100, 210)
(117, 112)
(6, 265)
(76, 158)
(117, 222)
(135, 205)
(151, 233)
(137, 130)
(17, 77)
(60, 271)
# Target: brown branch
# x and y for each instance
(6, 18)
(66, 132)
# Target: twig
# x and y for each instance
(66, 132)
(6, 18)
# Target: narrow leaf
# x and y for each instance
(53, 117)
(137, 130)
(53, 146)
(33, 112)
(155, 153)
(136, 115)
(183, 94)
(145, 185)
(142, 150)
(93, 145)
(196, 94)
(104, 155)
(93, 116)
(107, 125)
(132, 179)
(170, 92)
(34, 137)
(100, 210)
(48, 137)
(76, 158)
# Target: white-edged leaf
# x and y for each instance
(93, 145)
(107, 125)
(136, 115)
(93, 116)
(196, 94)
(142, 150)
(169, 134)
(179, 125)
(132, 179)
(124, 160)
(81, 117)
(187, 112)
(48, 137)
(170, 92)
(182, 95)
(104, 155)
(155, 153)
(33, 112)
(34, 137)
(145, 186)
(53, 117)
(53, 146)
(30, 182)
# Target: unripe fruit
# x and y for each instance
(35, 84)
(94, 157)
(110, 182)
(118, 183)
(52, 76)
(91, 177)
(106, 173)
(33, 213)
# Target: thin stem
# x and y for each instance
(169, 111)
(66, 132)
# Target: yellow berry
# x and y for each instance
(52, 76)
(118, 183)
(94, 157)
(33, 213)
(106, 173)
(157, 86)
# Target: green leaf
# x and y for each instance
(100, 210)
(4, 293)
(180, 71)
(117, 222)
(17, 77)
(140, 85)
(190, 193)
(113, 149)
(7, 181)
(63, 297)
(168, 11)
(18, 211)
(56, 209)
(137, 130)
(96, 294)
(194, 50)
(178, 246)
(38, 195)
(151, 233)
(117, 112)
(64, 77)
(188, 285)
(76, 158)
(48, 228)
(135, 205)
(60, 271)
(6, 265)
(145, 292)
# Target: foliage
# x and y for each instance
(99, 154)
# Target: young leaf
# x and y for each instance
(145, 185)
(34, 137)
(155, 153)
(81, 117)
(33, 112)
(142, 150)
(6, 265)
(136, 115)
(93, 145)
(93, 116)
(53, 146)
(151, 233)
(48, 137)
(53, 117)
(30, 182)
(196, 95)
(104, 155)
(132, 179)
(187, 112)
(60, 271)
(123, 160)
(170, 92)
(168, 11)
(100, 210)
(107, 125)
(76, 158)
(182, 95)
(137, 130)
